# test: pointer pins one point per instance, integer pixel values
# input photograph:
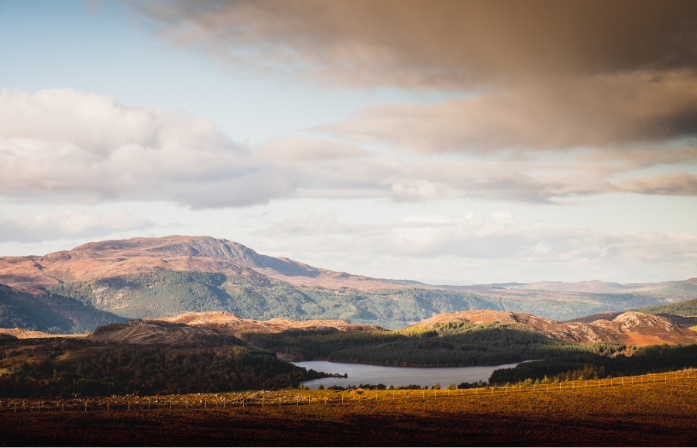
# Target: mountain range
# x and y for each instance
(112, 281)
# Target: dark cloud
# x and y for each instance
(556, 74)
(439, 42)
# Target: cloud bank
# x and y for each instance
(64, 145)
(69, 224)
(482, 246)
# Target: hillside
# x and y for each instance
(149, 332)
(41, 310)
(631, 328)
(22, 333)
(685, 308)
(476, 338)
(227, 323)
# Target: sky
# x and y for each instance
(444, 141)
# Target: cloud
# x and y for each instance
(441, 43)
(68, 146)
(674, 184)
(26, 228)
(291, 148)
(500, 242)
(612, 111)
(80, 146)
(551, 74)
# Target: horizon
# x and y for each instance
(458, 142)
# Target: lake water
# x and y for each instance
(397, 376)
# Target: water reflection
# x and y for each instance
(397, 376)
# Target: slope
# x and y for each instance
(38, 309)
(685, 308)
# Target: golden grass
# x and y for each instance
(623, 411)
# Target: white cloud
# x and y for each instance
(68, 146)
(27, 228)
(491, 246)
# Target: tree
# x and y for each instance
(436, 386)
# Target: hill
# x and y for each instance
(140, 357)
(41, 310)
(685, 308)
(148, 332)
(631, 328)
(228, 323)
(476, 338)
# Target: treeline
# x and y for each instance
(446, 345)
(149, 370)
(685, 308)
(645, 360)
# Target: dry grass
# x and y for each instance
(591, 413)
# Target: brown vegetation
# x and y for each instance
(633, 411)
(229, 323)
(21, 333)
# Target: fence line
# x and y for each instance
(225, 401)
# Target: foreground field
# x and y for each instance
(624, 411)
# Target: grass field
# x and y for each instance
(637, 411)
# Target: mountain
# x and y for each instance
(38, 309)
(161, 277)
(173, 253)
(631, 328)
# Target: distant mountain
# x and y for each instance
(168, 276)
(173, 253)
(42, 310)
(631, 328)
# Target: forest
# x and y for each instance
(445, 345)
(643, 360)
(104, 369)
